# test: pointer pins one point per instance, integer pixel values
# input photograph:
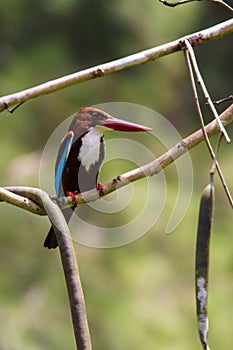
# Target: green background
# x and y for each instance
(139, 296)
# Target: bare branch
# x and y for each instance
(139, 58)
(21, 200)
(224, 4)
(182, 2)
(175, 3)
(204, 89)
(225, 99)
(190, 58)
(214, 164)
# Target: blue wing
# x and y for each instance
(62, 156)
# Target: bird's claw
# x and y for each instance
(100, 188)
(73, 196)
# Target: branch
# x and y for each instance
(197, 38)
(22, 196)
(191, 63)
(204, 89)
(21, 199)
(70, 268)
(225, 99)
(182, 2)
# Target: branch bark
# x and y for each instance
(139, 58)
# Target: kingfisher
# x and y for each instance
(81, 154)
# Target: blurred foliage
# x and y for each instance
(140, 295)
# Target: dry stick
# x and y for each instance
(188, 57)
(139, 58)
(27, 202)
(175, 3)
(224, 4)
(13, 109)
(213, 168)
(182, 2)
(204, 89)
(225, 99)
(20, 199)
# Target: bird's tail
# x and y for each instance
(51, 239)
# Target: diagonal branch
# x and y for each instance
(23, 196)
(139, 58)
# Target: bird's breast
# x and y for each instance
(89, 153)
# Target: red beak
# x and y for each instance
(123, 125)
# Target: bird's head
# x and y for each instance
(88, 117)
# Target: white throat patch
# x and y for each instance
(90, 148)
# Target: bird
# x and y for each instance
(81, 154)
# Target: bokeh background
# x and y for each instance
(140, 295)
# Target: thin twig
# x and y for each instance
(188, 56)
(175, 3)
(139, 58)
(13, 109)
(204, 89)
(189, 64)
(225, 99)
(217, 148)
(224, 4)
(182, 2)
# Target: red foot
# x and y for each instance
(72, 195)
(100, 188)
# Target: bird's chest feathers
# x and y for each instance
(89, 152)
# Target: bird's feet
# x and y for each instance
(73, 196)
(100, 188)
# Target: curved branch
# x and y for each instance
(23, 196)
(21, 200)
(145, 56)
(70, 268)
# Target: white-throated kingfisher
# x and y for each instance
(81, 154)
